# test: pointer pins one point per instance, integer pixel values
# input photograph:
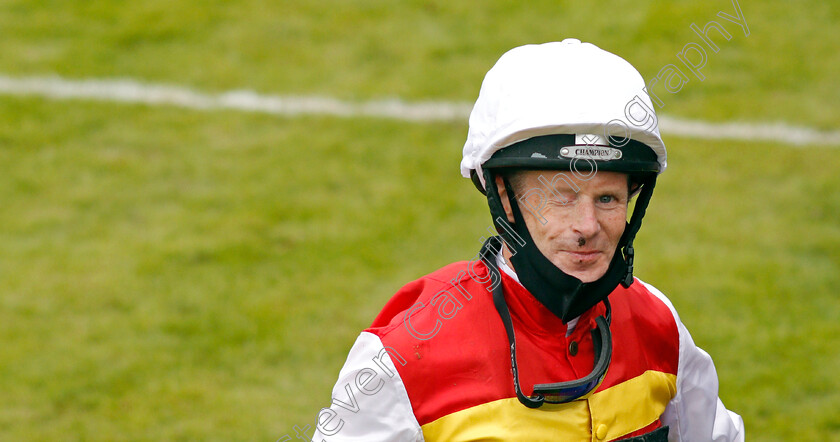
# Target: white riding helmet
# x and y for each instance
(570, 88)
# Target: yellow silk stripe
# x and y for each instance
(632, 404)
(614, 412)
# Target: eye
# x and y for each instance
(606, 199)
(562, 198)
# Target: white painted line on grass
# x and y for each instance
(130, 91)
(778, 132)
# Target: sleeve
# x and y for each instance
(696, 413)
(369, 400)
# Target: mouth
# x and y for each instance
(584, 256)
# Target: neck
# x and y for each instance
(506, 255)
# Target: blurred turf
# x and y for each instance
(177, 275)
(171, 275)
(421, 49)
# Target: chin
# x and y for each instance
(590, 274)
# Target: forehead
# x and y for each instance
(600, 180)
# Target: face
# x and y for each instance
(576, 223)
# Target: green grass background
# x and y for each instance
(178, 275)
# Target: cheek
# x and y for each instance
(544, 233)
(614, 225)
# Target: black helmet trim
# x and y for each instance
(569, 151)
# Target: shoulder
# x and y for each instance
(447, 340)
(644, 319)
(454, 281)
(650, 290)
(645, 299)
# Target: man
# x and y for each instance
(546, 335)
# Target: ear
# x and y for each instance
(500, 185)
(634, 185)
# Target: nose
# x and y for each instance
(585, 222)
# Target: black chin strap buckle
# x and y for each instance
(628, 257)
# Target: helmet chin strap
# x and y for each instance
(564, 295)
